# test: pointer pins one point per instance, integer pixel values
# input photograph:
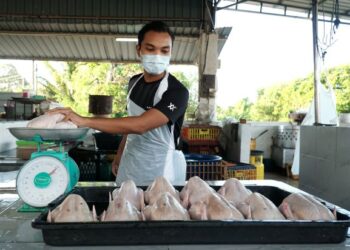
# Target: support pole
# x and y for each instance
(316, 58)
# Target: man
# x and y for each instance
(156, 105)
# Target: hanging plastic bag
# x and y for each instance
(327, 108)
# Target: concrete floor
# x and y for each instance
(281, 177)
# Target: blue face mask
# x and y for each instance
(155, 64)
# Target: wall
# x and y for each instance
(325, 163)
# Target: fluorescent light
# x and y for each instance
(126, 39)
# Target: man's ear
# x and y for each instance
(138, 49)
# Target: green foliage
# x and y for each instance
(191, 83)
(78, 80)
(340, 79)
(276, 102)
(73, 86)
(241, 110)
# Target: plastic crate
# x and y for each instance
(200, 133)
(240, 171)
(204, 149)
(207, 167)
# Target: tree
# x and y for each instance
(191, 83)
(241, 110)
(274, 103)
(73, 86)
(78, 80)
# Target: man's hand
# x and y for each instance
(70, 115)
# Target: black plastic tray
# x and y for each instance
(190, 232)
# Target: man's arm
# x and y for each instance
(150, 119)
(118, 156)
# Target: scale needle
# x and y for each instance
(53, 171)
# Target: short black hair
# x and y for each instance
(157, 26)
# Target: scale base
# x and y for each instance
(25, 208)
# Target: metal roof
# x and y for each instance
(328, 9)
(86, 30)
(91, 47)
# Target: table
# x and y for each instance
(16, 231)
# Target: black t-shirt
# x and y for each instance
(173, 103)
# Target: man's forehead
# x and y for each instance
(157, 38)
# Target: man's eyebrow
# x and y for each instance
(164, 47)
(149, 44)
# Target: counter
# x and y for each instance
(16, 231)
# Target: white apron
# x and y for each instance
(153, 153)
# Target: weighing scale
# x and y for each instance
(49, 173)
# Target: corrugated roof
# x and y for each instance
(292, 8)
(86, 30)
(89, 47)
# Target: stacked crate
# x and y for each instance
(201, 139)
(240, 171)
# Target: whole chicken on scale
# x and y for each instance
(50, 121)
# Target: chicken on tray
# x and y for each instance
(298, 206)
(72, 209)
(196, 201)
(166, 207)
(120, 209)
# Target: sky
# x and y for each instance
(261, 50)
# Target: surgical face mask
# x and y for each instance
(155, 64)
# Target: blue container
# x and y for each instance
(207, 167)
(202, 158)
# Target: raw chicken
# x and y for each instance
(159, 186)
(166, 208)
(50, 121)
(72, 209)
(195, 190)
(64, 125)
(258, 207)
(120, 209)
(234, 191)
(299, 206)
(130, 192)
(215, 208)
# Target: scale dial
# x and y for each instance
(42, 180)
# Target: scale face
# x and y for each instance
(42, 180)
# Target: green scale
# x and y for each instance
(49, 173)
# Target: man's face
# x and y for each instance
(155, 43)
